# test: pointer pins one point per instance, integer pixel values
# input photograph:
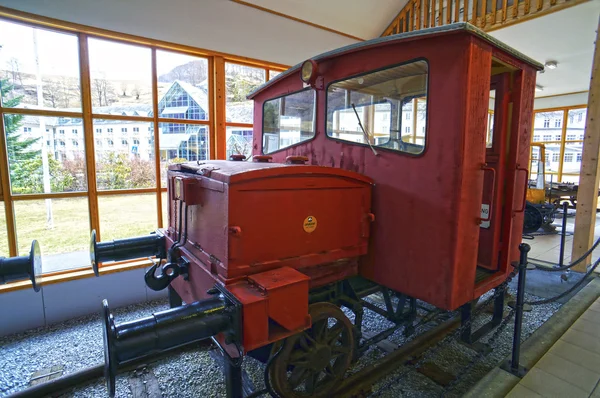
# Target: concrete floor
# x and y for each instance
(547, 247)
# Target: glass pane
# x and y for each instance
(570, 178)
(273, 73)
(182, 86)
(39, 67)
(572, 158)
(61, 226)
(120, 78)
(371, 109)
(287, 121)
(181, 142)
(576, 124)
(124, 154)
(239, 141)
(240, 81)
(45, 154)
(490, 120)
(552, 158)
(3, 232)
(124, 216)
(548, 126)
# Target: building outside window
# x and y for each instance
(579, 157)
(557, 123)
(546, 123)
(555, 156)
(125, 93)
(568, 157)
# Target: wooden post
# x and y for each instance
(587, 194)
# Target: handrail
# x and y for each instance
(485, 14)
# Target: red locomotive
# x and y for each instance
(372, 170)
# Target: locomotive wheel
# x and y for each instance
(311, 363)
(533, 219)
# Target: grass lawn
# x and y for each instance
(121, 216)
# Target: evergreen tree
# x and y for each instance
(18, 149)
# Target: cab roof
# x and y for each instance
(460, 26)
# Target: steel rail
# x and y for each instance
(360, 383)
(89, 375)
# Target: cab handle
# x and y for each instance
(522, 209)
(492, 170)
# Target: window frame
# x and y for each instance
(262, 118)
(86, 117)
(425, 143)
(565, 126)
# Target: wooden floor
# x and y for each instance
(571, 368)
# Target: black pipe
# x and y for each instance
(126, 249)
(515, 368)
(62, 383)
(563, 235)
(23, 267)
(159, 332)
(82, 376)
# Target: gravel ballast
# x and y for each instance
(77, 344)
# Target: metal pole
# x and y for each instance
(233, 378)
(515, 368)
(563, 234)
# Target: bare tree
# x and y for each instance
(136, 91)
(53, 92)
(102, 91)
(70, 89)
(124, 86)
(15, 65)
(241, 146)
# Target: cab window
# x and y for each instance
(386, 108)
(288, 120)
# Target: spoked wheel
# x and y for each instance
(311, 363)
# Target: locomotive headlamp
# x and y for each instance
(309, 71)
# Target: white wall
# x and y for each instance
(561, 101)
(218, 25)
(26, 309)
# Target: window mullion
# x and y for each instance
(562, 144)
(6, 193)
(156, 139)
(88, 132)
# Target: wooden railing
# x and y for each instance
(485, 14)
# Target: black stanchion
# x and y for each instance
(512, 365)
(563, 235)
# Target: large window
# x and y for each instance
(370, 109)
(73, 102)
(241, 80)
(288, 120)
(563, 142)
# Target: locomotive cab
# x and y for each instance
(376, 168)
(411, 112)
